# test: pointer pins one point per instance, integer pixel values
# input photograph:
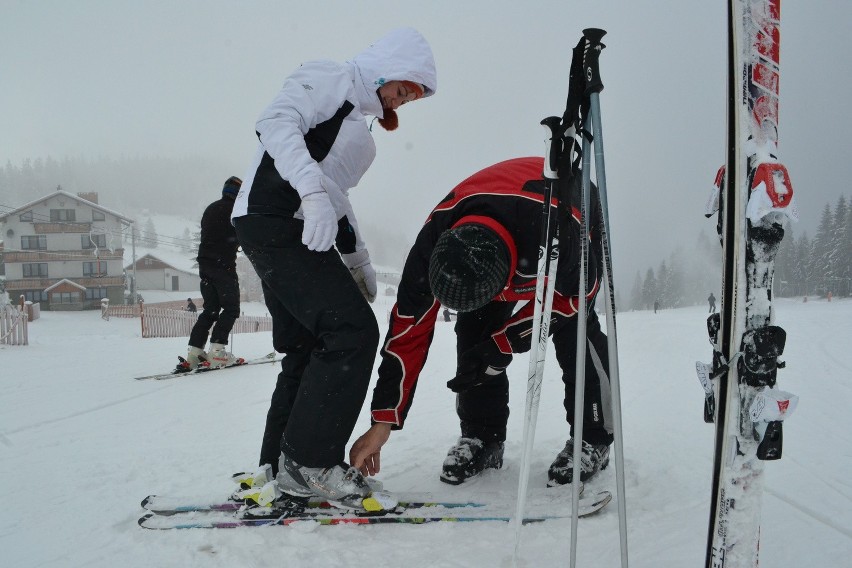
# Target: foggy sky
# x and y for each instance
(116, 78)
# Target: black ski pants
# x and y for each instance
(221, 292)
(484, 410)
(328, 333)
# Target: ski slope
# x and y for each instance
(81, 443)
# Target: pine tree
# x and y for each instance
(821, 269)
(650, 289)
(149, 234)
(836, 283)
(844, 257)
(676, 279)
(785, 265)
(636, 293)
(802, 271)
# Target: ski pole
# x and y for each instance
(545, 283)
(593, 88)
(612, 339)
(580, 369)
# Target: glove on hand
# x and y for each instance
(363, 272)
(320, 221)
(478, 365)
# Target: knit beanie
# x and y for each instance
(232, 187)
(469, 266)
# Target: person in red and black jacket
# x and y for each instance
(477, 254)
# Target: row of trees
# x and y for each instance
(820, 265)
(804, 266)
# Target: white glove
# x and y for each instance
(320, 221)
(363, 272)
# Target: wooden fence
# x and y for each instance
(158, 321)
(164, 322)
(13, 325)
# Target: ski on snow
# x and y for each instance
(179, 372)
(754, 198)
(166, 506)
(164, 513)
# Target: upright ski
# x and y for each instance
(754, 200)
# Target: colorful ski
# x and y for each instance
(165, 506)
(213, 518)
(754, 200)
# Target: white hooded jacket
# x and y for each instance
(314, 135)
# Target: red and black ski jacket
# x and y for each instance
(506, 197)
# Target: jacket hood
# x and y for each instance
(402, 54)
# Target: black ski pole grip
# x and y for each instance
(591, 69)
(553, 146)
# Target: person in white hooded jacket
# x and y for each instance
(292, 209)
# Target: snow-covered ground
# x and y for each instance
(81, 443)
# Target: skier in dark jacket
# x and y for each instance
(478, 254)
(314, 146)
(711, 299)
(220, 287)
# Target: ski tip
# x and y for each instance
(144, 519)
(147, 500)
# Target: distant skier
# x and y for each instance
(190, 306)
(711, 299)
(220, 287)
(448, 315)
(477, 254)
(656, 305)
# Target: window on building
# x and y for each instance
(65, 298)
(92, 241)
(96, 293)
(38, 242)
(26, 216)
(35, 295)
(98, 215)
(95, 268)
(59, 215)
(35, 270)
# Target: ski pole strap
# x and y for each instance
(591, 53)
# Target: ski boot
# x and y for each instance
(219, 357)
(469, 457)
(593, 458)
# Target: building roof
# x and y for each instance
(64, 281)
(64, 193)
(175, 260)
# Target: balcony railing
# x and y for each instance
(44, 255)
(44, 228)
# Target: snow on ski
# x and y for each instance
(754, 199)
(270, 358)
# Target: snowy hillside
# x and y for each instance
(81, 443)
